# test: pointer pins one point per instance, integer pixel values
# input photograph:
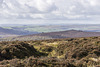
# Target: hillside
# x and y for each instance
(71, 52)
(11, 32)
(53, 35)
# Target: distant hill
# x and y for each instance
(54, 35)
(68, 34)
(11, 32)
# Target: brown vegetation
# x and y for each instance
(71, 52)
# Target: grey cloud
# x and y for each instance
(49, 9)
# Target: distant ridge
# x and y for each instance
(54, 35)
(11, 32)
(67, 34)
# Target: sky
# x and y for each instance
(49, 11)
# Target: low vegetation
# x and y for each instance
(71, 52)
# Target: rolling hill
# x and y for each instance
(11, 32)
(53, 35)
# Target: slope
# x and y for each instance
(11, 32)
(70, 52)
(54, 35)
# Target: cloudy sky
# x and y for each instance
(49, 11)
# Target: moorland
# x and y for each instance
(67, 52)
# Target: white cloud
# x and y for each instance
(50, 9)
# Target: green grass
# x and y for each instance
(7, 27)
(43, 29)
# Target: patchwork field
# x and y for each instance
(53, 28)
